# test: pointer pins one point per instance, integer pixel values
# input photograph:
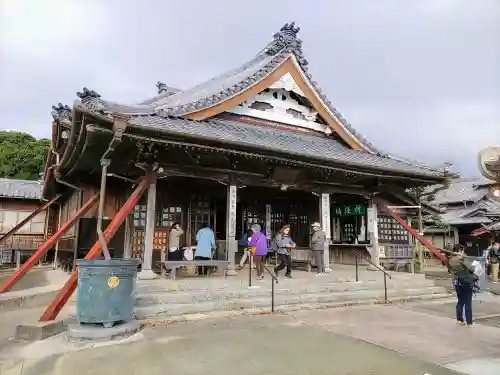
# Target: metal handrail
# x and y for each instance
(274, 279)
(374, 265)
(369, 261)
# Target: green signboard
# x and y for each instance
(349, 210)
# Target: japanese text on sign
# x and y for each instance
(349, 210)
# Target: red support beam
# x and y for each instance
(42, 250)
(31, 216)
(414, 233)
(67, 290)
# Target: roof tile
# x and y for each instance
(19, 189)
(315, 147)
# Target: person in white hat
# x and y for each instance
(318, 240)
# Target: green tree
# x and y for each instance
(21, 155)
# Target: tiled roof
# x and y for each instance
(176, 103)
(474, 214)
(470, 220)
(20, 189)
(172, 102)
(461, 190)
(495, 226)
(199, 96)
(320, 148)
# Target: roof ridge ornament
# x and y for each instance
(162, 87)
(287, 41)
(87, 94)
(61, 112)
(92, 101)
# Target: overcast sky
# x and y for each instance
(419, 78)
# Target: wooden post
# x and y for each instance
(324, 209)
(47, 245)
(146, 269)
(231, 243)
(373, 230)
(127, 245)
(62, 297)
(56, 249)
(420, 250)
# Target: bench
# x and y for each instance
(173, 265)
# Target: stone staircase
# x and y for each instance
(162, 300)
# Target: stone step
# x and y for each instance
(258, 302)
(264, 290)
(165, 320)
(298, 285)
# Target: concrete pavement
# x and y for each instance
(411, 338)
(429, 337)
(246, 346)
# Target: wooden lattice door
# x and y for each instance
(201, 211)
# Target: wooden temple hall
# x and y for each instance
(260, 143)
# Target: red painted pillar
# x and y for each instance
(414, 233)
(42, 250)
(67, 290)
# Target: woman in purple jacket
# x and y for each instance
(259, 241)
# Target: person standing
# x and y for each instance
(258, 248)
(174, 238)
(205, 244)
(244, 241)
(284, 245)
(318, 240)
(464, 280)
(494, 257)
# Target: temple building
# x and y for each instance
(258, 144)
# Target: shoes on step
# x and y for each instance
(460, 323)
(288, 276)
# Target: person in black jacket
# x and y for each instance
(464, 280)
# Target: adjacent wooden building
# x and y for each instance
(260, 143)
(468, 206)
(18, 199)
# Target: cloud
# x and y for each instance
(419, 78)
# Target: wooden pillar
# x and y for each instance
(420, 248)
(268, 222)
(373, 230)
(324, 210)
(456, 236)
(231, 243)
(127, 244)
(146, 269)
(55, 263)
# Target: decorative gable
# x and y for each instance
(283, 102)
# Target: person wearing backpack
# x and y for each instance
(494, 255)
(284, 245)
(464, 280)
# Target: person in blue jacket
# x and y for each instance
(205, 244)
